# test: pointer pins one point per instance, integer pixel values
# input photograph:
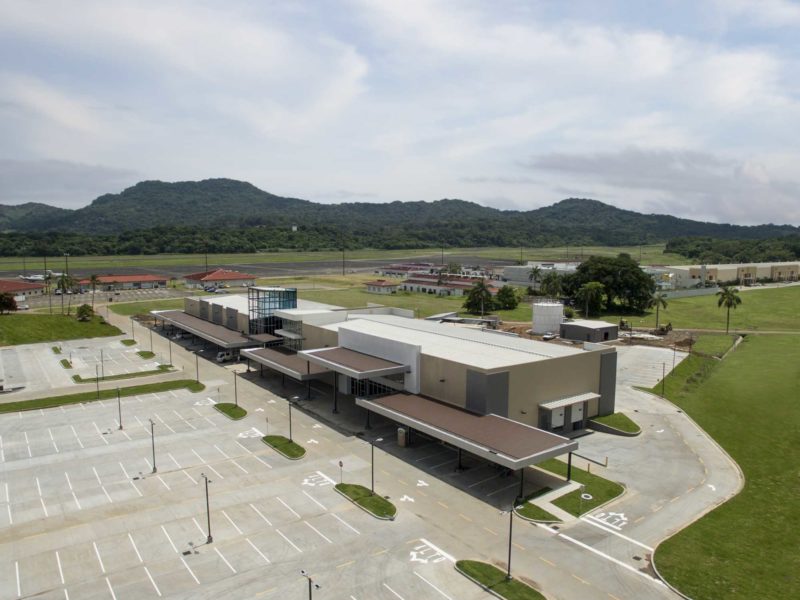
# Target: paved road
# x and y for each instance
(444, 513)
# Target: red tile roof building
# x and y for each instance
(216, 276)
(125, 282)
(16, 287)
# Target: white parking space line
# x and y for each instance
(258, 512)
(177, 464)
(235, 526)
(197, 581)
(261, 554)
(69, 484)
(121, 466)
(200, 529)
(177, 414)
(220, 451)
(39, 489)
(52, 439)
(135, 549)
(150, 577)
(240, 467)
(192, 479)
(391, 590)
(138, 491)
(291, 510)
(433, 586)
(259, 459)
(591, 521)
(19, 586)
(102, 437)
(27, 443)
(164, 423)
(611, 558)
(75, 433)
(503, 489)
(164, 482)
(345, 523)
(291, 543)
(60, 570)
(97, 476)
(225, 560)
(100, 560)
(323, 536)
(169, 539)
(314, 500)
(477, 483)
(111, 589)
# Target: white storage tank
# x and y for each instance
(547, 316)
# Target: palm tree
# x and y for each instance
(534, 275)
(479, 298)
(66, 282)
(590, 293)
(729, 298)
(93, 281)
(659, 301)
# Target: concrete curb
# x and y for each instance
(516, 512)
(664, 581)
(486, 589)
(603, 428)
(286, 456)
(227, 415)
(369, 512)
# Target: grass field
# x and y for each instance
(230, 410)
(372, 503)
(31, 329)
(652, 253)
(619, 421)
(284, 446)
(713, 344)
(135, 390)
(495, 579)
(600, 489)
(746, 548)
(769, 309)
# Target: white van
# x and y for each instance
(225, 356)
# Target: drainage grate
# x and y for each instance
(186, 552)
(637, 558)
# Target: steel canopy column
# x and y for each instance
(336, 392)
(569, 467)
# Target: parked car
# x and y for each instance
(549, 335)
(23, 307)
(225, 356)
(220, 291)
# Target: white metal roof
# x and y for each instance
(590, 324)
(473, 347)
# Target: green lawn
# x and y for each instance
(32, 328)
(619, 421)
(748, 547)
(230, 410)
(65, 363)
(602, 490)
(161, 369)
(651, 253)
(128, 342)
(713, 344)
(495, 579)
(146, 354)
(372, 503)
(135, 390)
(770, 309)
(285, 446)
(537, 513)
(130, 309)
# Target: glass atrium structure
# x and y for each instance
(262, 304)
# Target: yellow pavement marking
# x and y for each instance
(380, 552)
(516, 545)
(612, 596)
(402, 482)
(442, 504)
(639, 519)
(549, 562)
(580, 579)
(345, 564)
(490, 531)
(657, 508)
(465, 517)
(675, 498)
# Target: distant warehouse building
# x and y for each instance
(219, 276)
(588, 331)
(381, 286)
(686, 276)
(109, 283)
(16, 287)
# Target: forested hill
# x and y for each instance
(234, 214)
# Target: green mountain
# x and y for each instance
(233, 216)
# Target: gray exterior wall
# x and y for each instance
(571, 331)
(608, 383)
(487, 393)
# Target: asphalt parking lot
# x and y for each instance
(82, 515)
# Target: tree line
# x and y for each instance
(706, 250)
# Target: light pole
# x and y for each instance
(235, 390)
(311, 585)
(169, 341)
(133, 335)
(510, 532)
(102, 365)
(196, 368)
(97, 379)
(153, 441)
(372, 462)
(292, 400)
(151, 339)
(209, 539)
(119, 407)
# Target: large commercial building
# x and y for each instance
(687, 276)
(17, 287)
(124, 282)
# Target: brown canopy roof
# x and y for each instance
(355, 364)
(294, 365)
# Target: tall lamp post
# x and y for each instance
(209, 539)
(311, 585)
(510, 532)
(372, 461)
(153, 442)
(235, 389)
(292, 400)
(119, 407)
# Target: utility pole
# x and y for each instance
(209, 539)
(235, 389)
(343, 263)
(372, 462)
(119, 407)
(153, 442)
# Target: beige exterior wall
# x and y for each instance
(242, 322)
(453, 389)
(318, 337)
(785, 272)
(534, 383)
(191, 306)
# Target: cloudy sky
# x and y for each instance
(688, 108)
